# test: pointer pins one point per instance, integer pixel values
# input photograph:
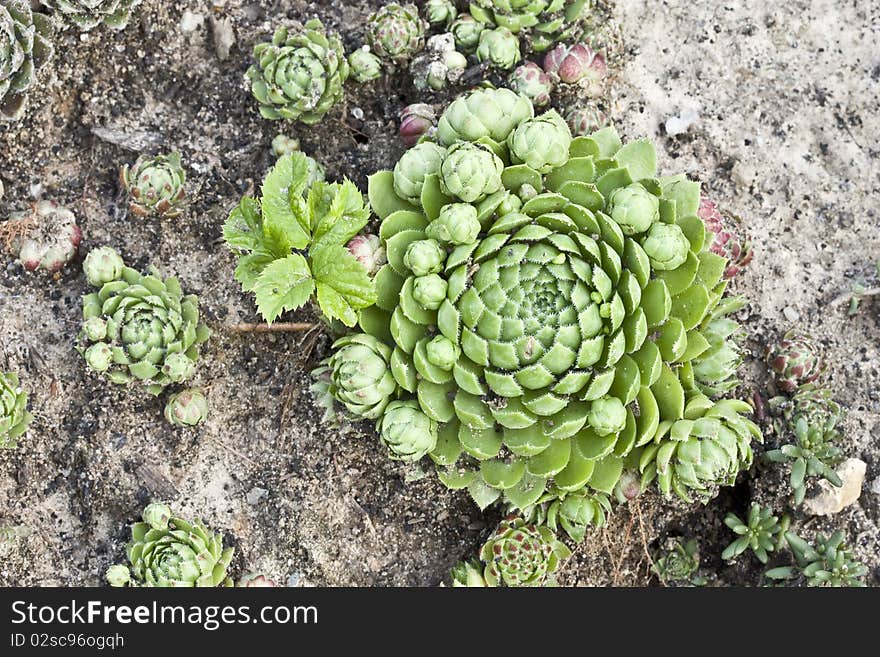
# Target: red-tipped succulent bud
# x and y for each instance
(48, 236)
(577, 65)
(416, 121)
(368, 250)
(725, 240)
(795, 361)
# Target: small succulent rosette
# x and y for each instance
(299, 74)
(89, 14)
(139, 328)
(168, 551)
(156, 185)
(396, 32)
(50, 236)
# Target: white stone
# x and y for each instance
(831, 499)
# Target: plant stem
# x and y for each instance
(281, 327)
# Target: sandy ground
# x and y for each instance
(783, 102)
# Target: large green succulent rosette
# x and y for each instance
(567, 338)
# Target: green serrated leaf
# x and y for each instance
(285, 284)
(250, 267)
(283, 207)
(243, 229)
(344, 218)
(343, 283)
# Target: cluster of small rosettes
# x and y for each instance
(550, 314)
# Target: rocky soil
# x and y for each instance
(773, 107)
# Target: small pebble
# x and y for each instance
(190, 21)
(256, 495)
(791, 314)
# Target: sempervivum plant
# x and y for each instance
(499, 48)
(545, 299)
(24, 49)
(155, 185)
(441, 12)
(520, 554)
(364, 65)
(795, 361)
(141, 328)
(531, 81)
(51, 236)
(543, 22)
(585, 120)
(88, 14)
(167, 551)
(187, 408)
(466, 30)
(299, 74)
(678, 563)
(577, 65)
(14, 416)
(574, 513)
(725, 239)
(396, 32)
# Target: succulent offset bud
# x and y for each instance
(24, 49)
(573, 512)
(412, 168)
(102, 265)
(467, 30)
(666, 246)
(467, 574)
(368, 250)
(300, 74)
(155, 185)
(396, 32)
(585, 120)
(365, 66)
(470, 172)
(118, 575)
(52, 237)
(416, 121)
(429, 291)
(439, 65)
(441, 12)
(795, 361)
(157, 515)
(456, 224)
(424, 257)
(14, 416)
(628, 488)
(360, 374)
(168, 551)
(724, 238)
(541, 143)
(153, 331)
(678, 562)
(187, 408)
(607, 416)
(519, 554)
(634, 208)
(442, 352)
(492, 113)
(531, 81)
(500, 48)
(406, 431)
(577, 65)
(283, 145)
(88, 14)
(255, 580)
